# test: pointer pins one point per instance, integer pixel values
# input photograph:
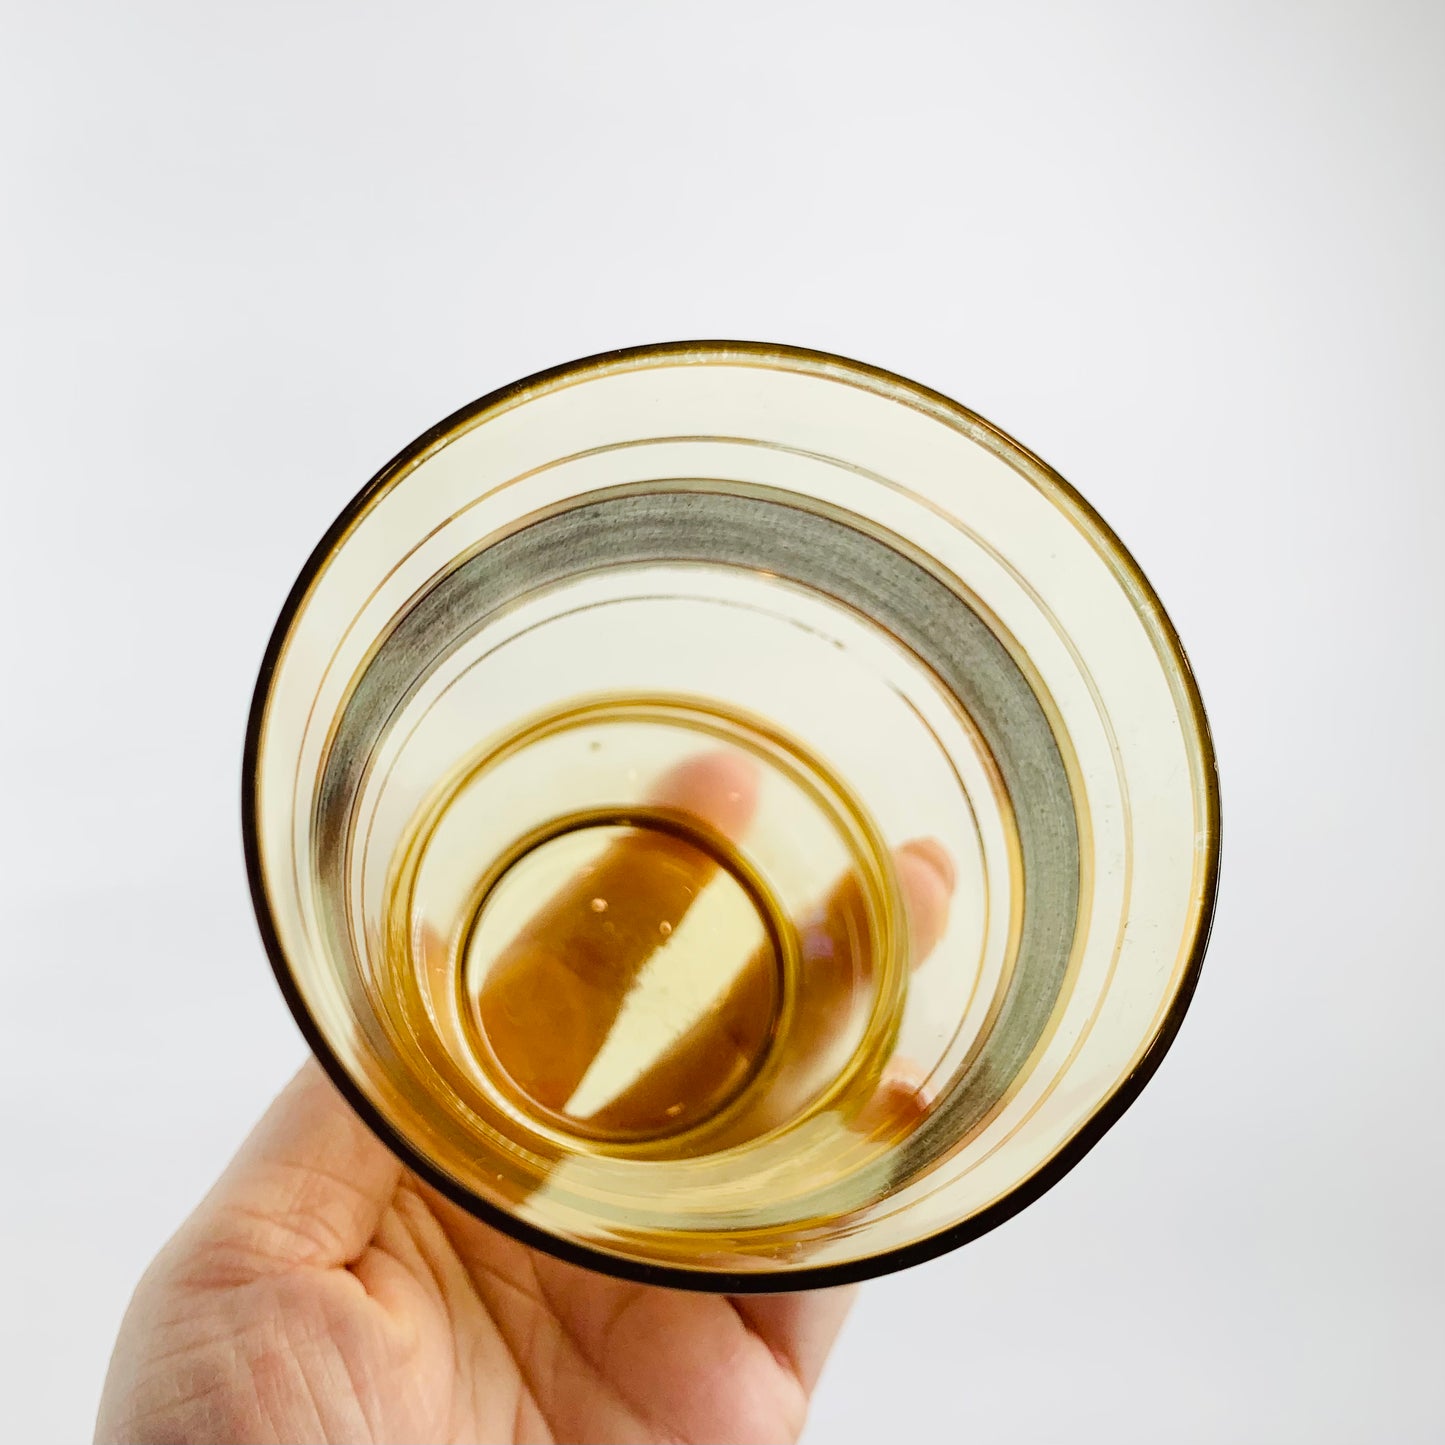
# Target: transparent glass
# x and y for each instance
(731, 817)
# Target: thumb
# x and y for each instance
(307, 1188)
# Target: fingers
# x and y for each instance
(719, 790)
(552, 997)
(898, 1104)
(798, 1328)
(926, 877)
(835, 972)
(307, 1188)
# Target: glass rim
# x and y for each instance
(1146, 603)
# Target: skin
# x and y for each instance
(321, 1292)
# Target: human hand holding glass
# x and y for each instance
(322, 1291)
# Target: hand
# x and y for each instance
(323, 1293)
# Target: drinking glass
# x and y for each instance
(730, 816)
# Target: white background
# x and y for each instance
(1191, 254)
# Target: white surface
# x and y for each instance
(1190, 255)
